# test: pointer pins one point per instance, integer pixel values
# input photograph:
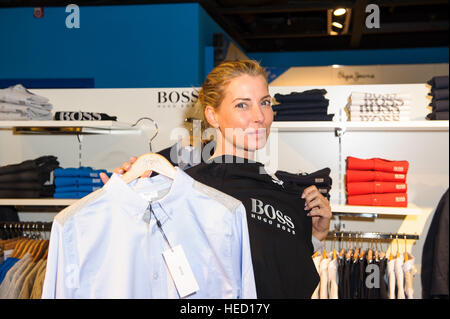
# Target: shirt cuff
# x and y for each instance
(317, 244)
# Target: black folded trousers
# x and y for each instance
(305, 117)
(319, 110)
(309, 95)
(438, 116)
(439, 94)
(301, 105)
(439, 82)
(439, 105)
(45, 191)
(37, 170)
(40, 162)
(21, 185)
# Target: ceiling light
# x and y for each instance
(339, 12)
(335, 66)
(337, 25)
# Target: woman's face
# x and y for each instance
(245, 115)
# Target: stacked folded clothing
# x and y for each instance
(17, 103)
(366, 107)
(439, 102)
(376, 182)
(28, 179)
(321, 179)
(309, 105)
(83, 116)
(77, 182)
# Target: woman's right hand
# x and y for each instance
(123, 169)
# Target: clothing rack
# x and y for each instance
(369, 235)
(26, 226)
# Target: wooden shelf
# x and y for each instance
(377, 210)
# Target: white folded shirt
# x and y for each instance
(24, 116)
(19, 95)
(355, 96)
(378, 118)
(377, 109)
(9, 107)
(380, 102)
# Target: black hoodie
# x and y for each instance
(280, 232)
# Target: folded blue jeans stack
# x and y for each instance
(77, 182)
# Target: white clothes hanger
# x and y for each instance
(150, 162)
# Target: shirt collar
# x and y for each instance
(125, 194)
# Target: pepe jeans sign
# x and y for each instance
(176, 98)
(355, 76)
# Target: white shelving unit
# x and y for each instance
(415, 126)
(84, 127)
(377, 210)
(345, 209)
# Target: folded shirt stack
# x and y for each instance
(28, 179)
(77, 182)
(439, 102)
(376, 182)
(321, 179)
(366, 107)
(310, 105)
(83, 116)
(17, 104)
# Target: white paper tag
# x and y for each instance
(180, 271)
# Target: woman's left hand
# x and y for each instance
(320, 211)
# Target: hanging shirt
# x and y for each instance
(280, 232)
(333, 279)
(399, 276)
(409, 271)
(323, 293)
(109, 245)
(391, 278)
(317, 260)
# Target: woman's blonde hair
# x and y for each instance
(213, 89)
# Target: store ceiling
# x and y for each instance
(303, 25)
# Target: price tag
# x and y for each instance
(180, 271)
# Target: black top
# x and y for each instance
(435, 254)
(280, 232)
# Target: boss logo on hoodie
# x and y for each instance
(268, 214)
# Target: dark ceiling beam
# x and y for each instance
(289, 8)
(359, 18)
(254, 36)
(409, 27)
(63, 3)
(403, 3)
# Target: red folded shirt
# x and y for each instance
(369, 176)
(359, 188)
(377, 164)
(389, 199)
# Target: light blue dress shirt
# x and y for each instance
(108, 245)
